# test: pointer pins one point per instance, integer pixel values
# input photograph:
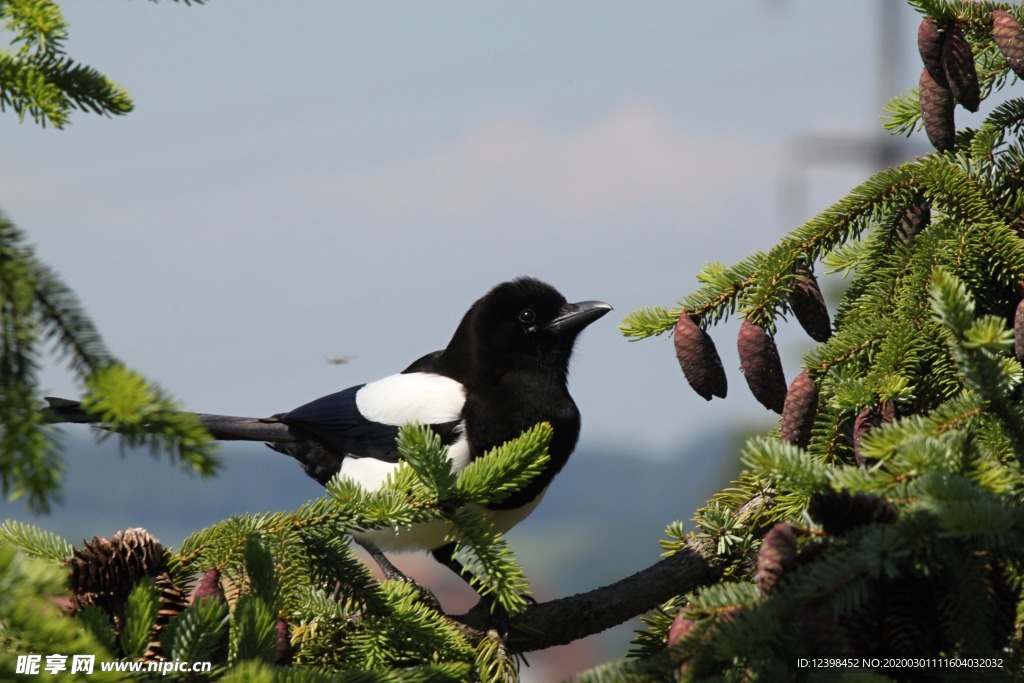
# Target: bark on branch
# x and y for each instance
(566, 620)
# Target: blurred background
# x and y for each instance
(309, 182)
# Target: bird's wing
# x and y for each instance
(363, 421)
(335, 423)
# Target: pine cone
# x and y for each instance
(913, 219)
(869, 418)
(809, 307)
(679, 628)
(958, 62)
(799, 410)
(776, 556)
(1018, 332)
(838, 512)
(1009, 38)
(172, 603)
(209, 587)
(699, 359)
(937, 113)
(104, 571)
(759, 360)
(929, 44)
(284, 644)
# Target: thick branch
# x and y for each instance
(566, 620)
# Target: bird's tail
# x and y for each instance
(220, 427)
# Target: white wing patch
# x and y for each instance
(422, 397)
(412, 397)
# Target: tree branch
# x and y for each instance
(566, 620)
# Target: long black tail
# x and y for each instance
(221, 427)
(318, 462)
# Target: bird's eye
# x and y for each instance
(527, 316)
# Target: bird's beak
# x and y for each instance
(574, 317)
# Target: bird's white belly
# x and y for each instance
(435, 533)
(371, 474)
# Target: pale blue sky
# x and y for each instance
(304, 180)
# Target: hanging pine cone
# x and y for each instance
(799, 409)
(776, 556)
(809, 307)
(869, 418)
(1009, 38)
(841, 511)
(761, 366)
(1018, 332)
(937, 112)
(913, 219)
(699, 359)
(284, 644)
(958, 63)
(209, 587)
(680, 627)
(929, 44)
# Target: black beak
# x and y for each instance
(574, 317)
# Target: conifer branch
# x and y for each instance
(568, 619)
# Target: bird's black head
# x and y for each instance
(523, 324)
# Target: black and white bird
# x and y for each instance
(504, 370)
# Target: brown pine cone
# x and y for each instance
(913, 219)
(929, 44)
(680, 627)
(699, 359)
(284, 644)
(937, 112)
(209, 587)
(809, 307)
(868, 419)
(958, 62)
(839, 512)
(799, 410)
(104, 571)
(776, 557)
(761, 366)
(1009, 38)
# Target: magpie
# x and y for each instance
(504, 370)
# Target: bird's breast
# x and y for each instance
(371, 474)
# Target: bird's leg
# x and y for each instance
(393, 573)
(446, 556)
(500, 619)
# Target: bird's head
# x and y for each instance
(521, 324)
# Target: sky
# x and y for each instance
(304, 181)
